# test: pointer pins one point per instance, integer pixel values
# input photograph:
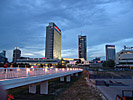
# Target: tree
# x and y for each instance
(50, 64)
(109, 63)
(104, 64)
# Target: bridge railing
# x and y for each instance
(9, 73)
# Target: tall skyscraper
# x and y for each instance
(16, 54)
(110, 52)
(53, 42)
(82, 52)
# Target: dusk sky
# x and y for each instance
(23, 24)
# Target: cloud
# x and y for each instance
(69, 53)
(99, 50)
(23, 24)
(28, 51)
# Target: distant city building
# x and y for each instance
(4, 53)
(53, 42)
(68, 59)
(82, 52)
(24, 57)
(125, 57)
(37, 61)
(74, 60)
(3, 58)
(96, 62)
(16, 54)
(110, 52)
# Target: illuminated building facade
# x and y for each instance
(125, 57)
(82, 52)
(37, 61)
(110, 52)
(53, 42)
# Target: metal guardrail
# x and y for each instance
(10, 73)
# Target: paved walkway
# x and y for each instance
(111, 91)
(94, 86)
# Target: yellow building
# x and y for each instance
(53, 42)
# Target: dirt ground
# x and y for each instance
(81, 90)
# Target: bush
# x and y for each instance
(109, 63)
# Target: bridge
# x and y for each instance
(16, 77)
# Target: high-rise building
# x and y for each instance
(3, 58)
(4, 53)
(16, 54)
(110, 52)
(82, 52)
(53, 42)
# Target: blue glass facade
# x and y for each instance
(110, 52)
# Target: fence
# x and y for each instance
(10, 73)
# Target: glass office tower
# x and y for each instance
(110, 52)
(82, 47)
(53, 42)
(16, 54)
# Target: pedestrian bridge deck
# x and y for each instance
(16, 77)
